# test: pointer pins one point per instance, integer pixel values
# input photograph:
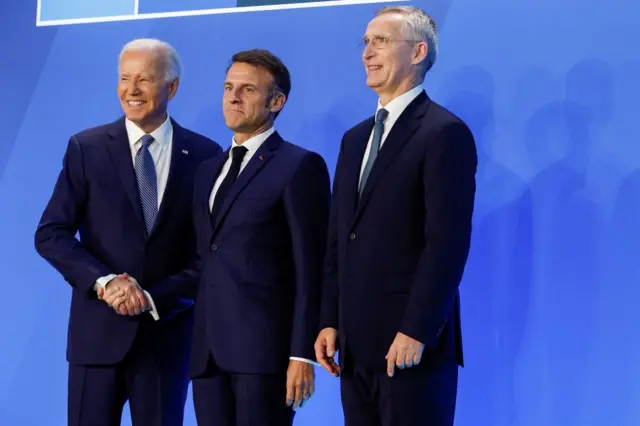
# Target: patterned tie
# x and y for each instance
(147, 182)
(237, 154)
(378, 130)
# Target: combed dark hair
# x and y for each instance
(264, 59)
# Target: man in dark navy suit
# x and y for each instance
(261, 214)
(399, 236)
(127, 188)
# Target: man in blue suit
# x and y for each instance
(127, 188)
(261, 214)
(398, 239)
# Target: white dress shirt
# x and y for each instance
(160, 151)
(252, 144)
(395, 108)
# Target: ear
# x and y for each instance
(173, 87)
(277, 102)
(420, 51)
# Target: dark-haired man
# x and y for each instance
(261, 213)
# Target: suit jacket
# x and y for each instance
(97, 194)
(259, 298)
(396, 256)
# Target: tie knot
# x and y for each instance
(381, 115)
(238, 152)
(146, 140)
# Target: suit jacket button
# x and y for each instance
(352, 236)
(214, 247)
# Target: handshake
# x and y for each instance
(124, 295)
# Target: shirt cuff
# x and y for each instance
(103, 281)
(308, 361)
(153, 311)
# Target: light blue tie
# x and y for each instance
(147, 182)
(378, 130)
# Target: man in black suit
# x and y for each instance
(261, 213)
(399, 236)
(127, 188)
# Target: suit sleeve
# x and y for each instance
(55, 237)
(449, 184)
(179, 291)
(306, 202)
(330, 302)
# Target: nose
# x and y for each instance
(368, 51)
(233, 96)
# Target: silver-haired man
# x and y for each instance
(126, 187)
(399, 236)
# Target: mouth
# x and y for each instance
(135, 104)
(374, 67)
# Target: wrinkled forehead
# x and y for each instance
(246, 74)
(386, 25)
(148, 61)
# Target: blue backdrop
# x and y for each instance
(550, 90)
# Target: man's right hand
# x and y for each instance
(325, 347)
(124, 296)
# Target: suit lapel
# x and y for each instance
(120, 155)
(402, 130)
(255, 164)
(179, 159)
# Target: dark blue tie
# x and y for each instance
(378, 130)
(147, 182)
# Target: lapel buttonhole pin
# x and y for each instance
(261, 158)
(185, 152)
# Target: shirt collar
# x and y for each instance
(162, 134)
(253, 143)
(397, 106)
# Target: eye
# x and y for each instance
(248, 89)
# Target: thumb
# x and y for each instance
(331, 347)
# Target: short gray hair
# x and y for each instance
(170, 56)
(419, 26)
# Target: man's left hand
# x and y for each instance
(300, 383)
(404, 352)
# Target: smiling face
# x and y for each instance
(392, 62)
(143, 90)
(250, 100)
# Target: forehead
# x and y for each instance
(241, 73)
(140, 61)
(387, 24)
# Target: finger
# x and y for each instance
(144, 303)
(100, 292)
(116, 300)
(311, 389)
(408, 359)
(331, 347)
(299, 395)
(418, 356)
(391, 361)
(135, 302)
(290, 393)
(322, 358)
(401, 353)
(130, 306)
(121, 309)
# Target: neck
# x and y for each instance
(152, 123)
(387, 96)
(242, 137)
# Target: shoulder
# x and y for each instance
(298, 154)
(96, 134)
(203, 145)
(443, 120)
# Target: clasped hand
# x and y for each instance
(124, 295)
